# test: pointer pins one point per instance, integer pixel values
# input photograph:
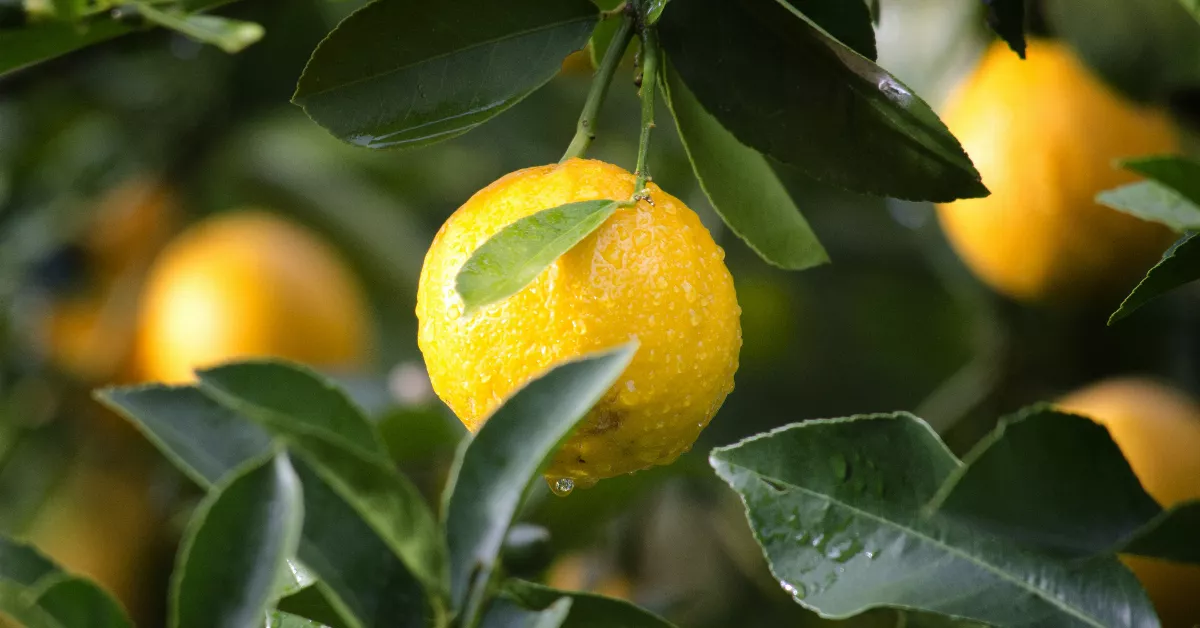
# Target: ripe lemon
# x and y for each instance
(1044, 133)
(650, 272)
(249, 284)
(1158, 430)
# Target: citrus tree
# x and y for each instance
(582, 324)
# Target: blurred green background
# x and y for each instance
(894, 323)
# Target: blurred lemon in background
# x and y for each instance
(249, 284)
(650, 272)
(1158, 430)
(1044, 134)
(580, 571)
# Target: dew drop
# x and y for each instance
(561, 486)
(797, 590)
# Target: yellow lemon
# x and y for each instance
(1158, 430)
(579, 572)
(249, 284)
(650, 272)
(1044, 133)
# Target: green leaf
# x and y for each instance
(200, 437)
(314, 603)
(80, 603)
(1178, 266)
(588, 610)
(14, 603)
(1193, 6)
(229, 35)
(1049, 479)
(296, 398)
(505, 614)
(296, 578)
(22, 563)
(848, 22)
(1171, 535)
(652, 10)
(457, 65)
(501, 462)
(327, 431)
(741, 186)
(234, 552)
(837, 507)
(279, 619)
(602, 37)
(361, 576)
(518, 253)
(34, 43)
(784, 87)
(1007, 19)
(1153, 201)
(1175, 172)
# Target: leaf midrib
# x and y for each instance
(925, 537)
(377, 75)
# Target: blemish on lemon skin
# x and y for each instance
(626, 279)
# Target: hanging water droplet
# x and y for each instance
(796, 590)
(561, 486)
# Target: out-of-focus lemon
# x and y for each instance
(249, 284)
(576, 572)
(650, 272)
(1158, 430)
(1045, 133)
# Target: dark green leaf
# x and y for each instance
(458, 64)
(296, 578)
(587, 610)
(848, 22)
(414, 434)
(504, 458)
(314, 603)
(505, 614)
(1178, 173)
(1049, 479)
(741, 186)
(837, 507)
(69, 10)
(327, 431)
(361, 577)
(229, 35)
(33, 43)
(1171, 535)
(235, 549)
(279, 619)
(79, 603)
(203, 439)
(22, 563)
(277, 392)
(519, 252)
(1179, 265)
(1007, 19)
(1153, 201)
(783, 86)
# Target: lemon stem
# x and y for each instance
(585, 130)
(650, 61)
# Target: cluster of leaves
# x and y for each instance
(307, 523)
(872, 511)
(1170, 195)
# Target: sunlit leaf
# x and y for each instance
(227, 34)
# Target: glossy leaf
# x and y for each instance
(518, 253)
(295, 397)
(279, 619)
(504, 458)
(848, 22)
(1007, 19)
(229, 35)
(327, 431)
(652, 10)
(1193, 6)
(786, 88)
(1049, 479)
(1178, 266)
(503, 613)
(837, 507)
(1150, 200)
(457, 65)
(1171, 535)
(741, 186)
(202, 438)
(588, 610)
(80, 603)
(235, 549)
(315, 603)
(361, 577)
(1178, 173)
